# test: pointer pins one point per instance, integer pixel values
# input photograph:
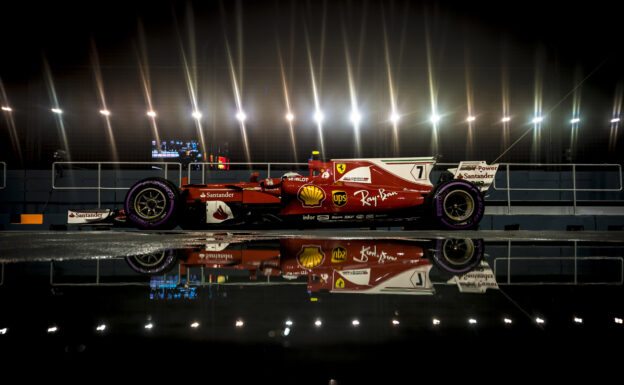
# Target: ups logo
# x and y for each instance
(339, 198)
(339, 254)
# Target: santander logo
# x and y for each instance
(220, 214)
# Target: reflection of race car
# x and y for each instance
(338, 191)
(347, 266)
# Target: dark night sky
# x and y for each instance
(479, 44)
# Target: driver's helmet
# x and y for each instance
(290, 174)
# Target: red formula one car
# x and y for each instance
(393, 190)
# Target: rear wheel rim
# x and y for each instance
(150, 203)
(458, 205)
(458, 251)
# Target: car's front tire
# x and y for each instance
(153, 204)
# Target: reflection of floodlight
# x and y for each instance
(240, 115)
(395, 322)
(289, 323)
(101, 328)
(52, 329)
(290, 117)
(436, 321)
(149, 326)
(537, 119)
(355, 117)
(617, 320)
(578, 320)
(539, 320)
(395, 117)
(507, 321)
(355, 322)
(615, 120)
(105, 112)
(3, 331)
(7, 109)
(57, 110)
(472, 321)
(471, 119)
(435, 118)
(318, 116)
(239, 323)
(575, 120)
(195, 325)
(318, 323)
(151, 114)
(197, 115)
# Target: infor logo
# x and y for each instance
(339, 198)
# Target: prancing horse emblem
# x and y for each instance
(341, 167)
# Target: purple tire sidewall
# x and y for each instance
(478, 250)
(136, 219)
(160, 268)
(472, 221)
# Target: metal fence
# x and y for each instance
(214, 166)
(505, 183)
(99, 188)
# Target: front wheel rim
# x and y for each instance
(150, 203)
(458, 205)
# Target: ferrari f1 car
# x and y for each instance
(341, 191)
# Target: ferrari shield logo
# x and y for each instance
(341, 167)
(339, 254)
(339, 198)
(340, 283)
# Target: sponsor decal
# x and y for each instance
(339, 254)
(87, 216)
(216, 256)
(311, 196)
(340, 283)
(358, 175)
(299, 179)
(368, 200)
(339, 198)
(217, 195)
(310, 256)
(322, 217)
(368, 252)
(308, 217)
(217, 212)
(341, 168)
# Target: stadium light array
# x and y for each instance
(197, 115)
(7, 108)
(471, 119)
(615, 120)
(538, 119)
(57, 110)
(435, 118)
(506, 118)
(151, 114)
(240, 115)
(355, 117)
(395, 117)
(105, 112)
(575, 120)
(290, 117)
(319, 116)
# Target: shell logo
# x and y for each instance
(311, 196)
(310, 256)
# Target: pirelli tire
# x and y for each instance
(457, 256)
(457, 205)
(153, 204)
(155, 263)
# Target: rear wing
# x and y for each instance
(477, 172)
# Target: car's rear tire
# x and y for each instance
(457, 256)
(153, 204)
(458, 205)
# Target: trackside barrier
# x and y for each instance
(574, 189)
(504, 170)
(99, 165)
(575, 259)
(4, 175)
(214, 166)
